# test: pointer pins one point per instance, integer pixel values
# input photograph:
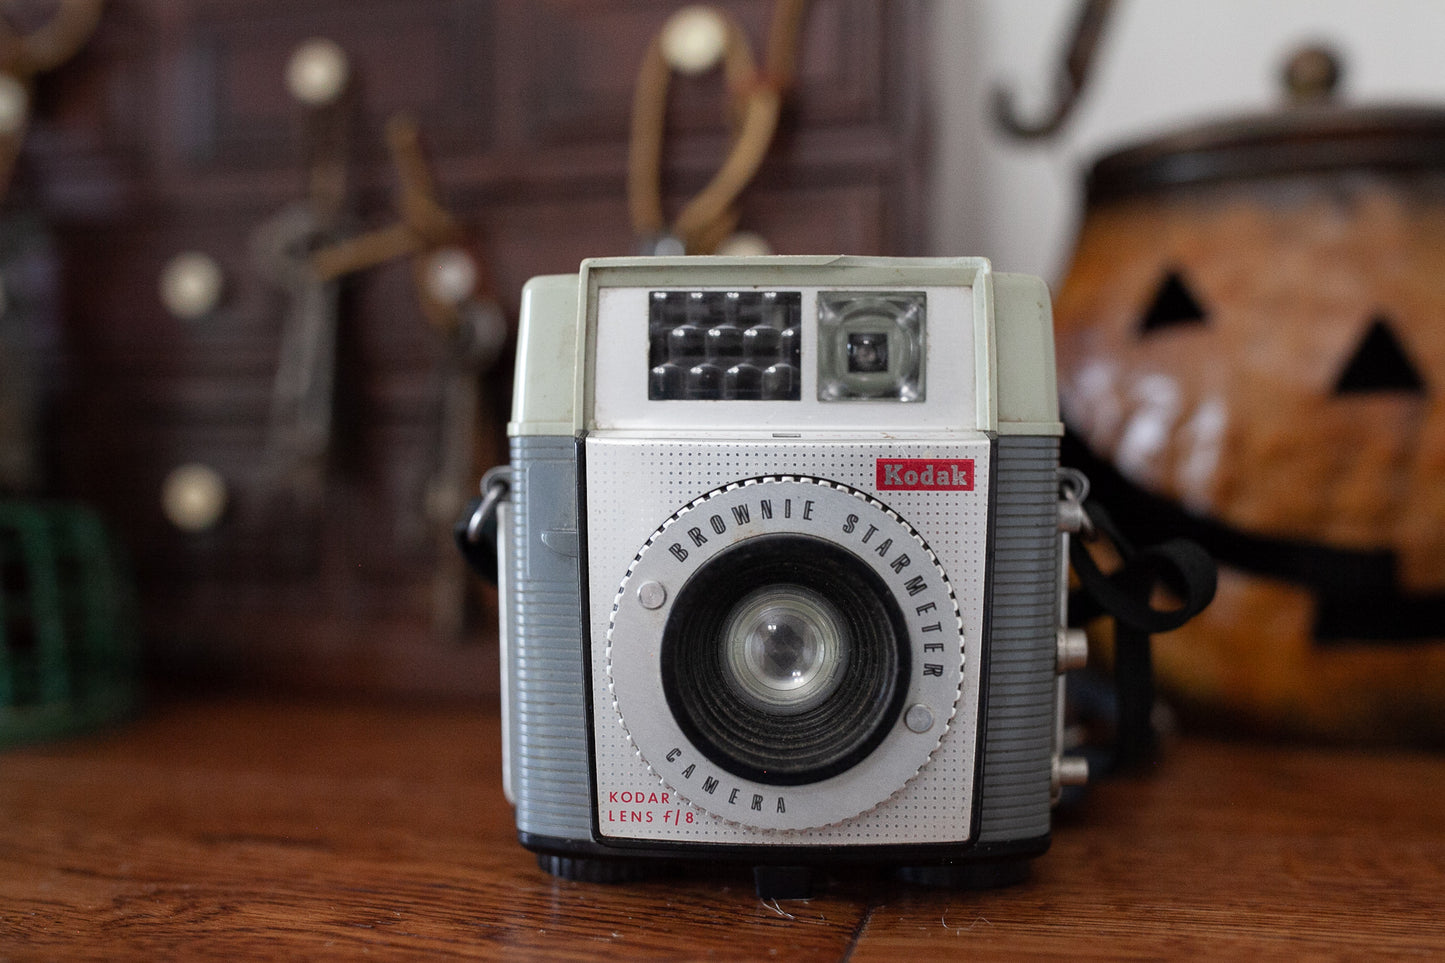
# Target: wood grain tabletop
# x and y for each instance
(241, 829)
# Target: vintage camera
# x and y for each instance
(781, 568)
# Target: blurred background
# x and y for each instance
(278, 443)
(1159, 67)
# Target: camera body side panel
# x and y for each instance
(546, 722)
(1023, 623)
(544, 726)
(1023, 363)
(1025, 603)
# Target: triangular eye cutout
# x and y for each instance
(1380, 364)
(1174, 305)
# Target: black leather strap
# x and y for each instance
(1127, 595)
(477, 540)
(1358, 595)
(1179, 565)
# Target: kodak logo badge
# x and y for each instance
(925, 474)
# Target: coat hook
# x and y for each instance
(1069, 82)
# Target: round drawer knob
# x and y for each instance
(317, 72)
(694, 39)
(191, 285)
(745, 244)
(450, 275)
(194, 497)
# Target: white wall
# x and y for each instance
(1163, 64)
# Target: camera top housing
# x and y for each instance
(781, 572)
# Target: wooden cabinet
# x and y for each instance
(173, 131)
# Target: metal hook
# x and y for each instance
(1068, 83)
(1073, 492)
(496, 486)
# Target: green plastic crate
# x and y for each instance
(68, 655)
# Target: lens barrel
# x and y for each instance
(786, 648)
(784, 659)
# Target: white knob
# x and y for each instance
(745, 244)
(14, 105)
(450, 275)
(191, 285)
(317, 72)
(194, 497)
(693, 40)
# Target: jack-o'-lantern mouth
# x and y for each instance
(1357, 593)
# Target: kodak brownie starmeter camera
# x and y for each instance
(781, 568)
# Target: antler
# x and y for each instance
(424, 226)
(23, 55)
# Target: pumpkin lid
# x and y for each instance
(1313, 135)
(1307, 139)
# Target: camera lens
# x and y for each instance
(786, 648)
(784, 659)
(868, 351)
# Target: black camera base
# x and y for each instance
(790, 882)
(796, 882)
(771, 882)
(967, 876)
(583, 869)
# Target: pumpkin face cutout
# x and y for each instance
(1259, 362)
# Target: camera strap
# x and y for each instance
(1129, 594)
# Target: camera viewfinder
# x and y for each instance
(870, 345)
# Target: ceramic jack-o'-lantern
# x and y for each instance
(1251, 351)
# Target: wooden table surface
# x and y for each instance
(244, 830)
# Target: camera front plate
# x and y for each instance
(722, 521)
(914, 786)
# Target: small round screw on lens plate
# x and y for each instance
(651, 595)
(918, 718)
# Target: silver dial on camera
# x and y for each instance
(785, 653)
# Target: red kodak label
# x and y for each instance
(925, 474)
